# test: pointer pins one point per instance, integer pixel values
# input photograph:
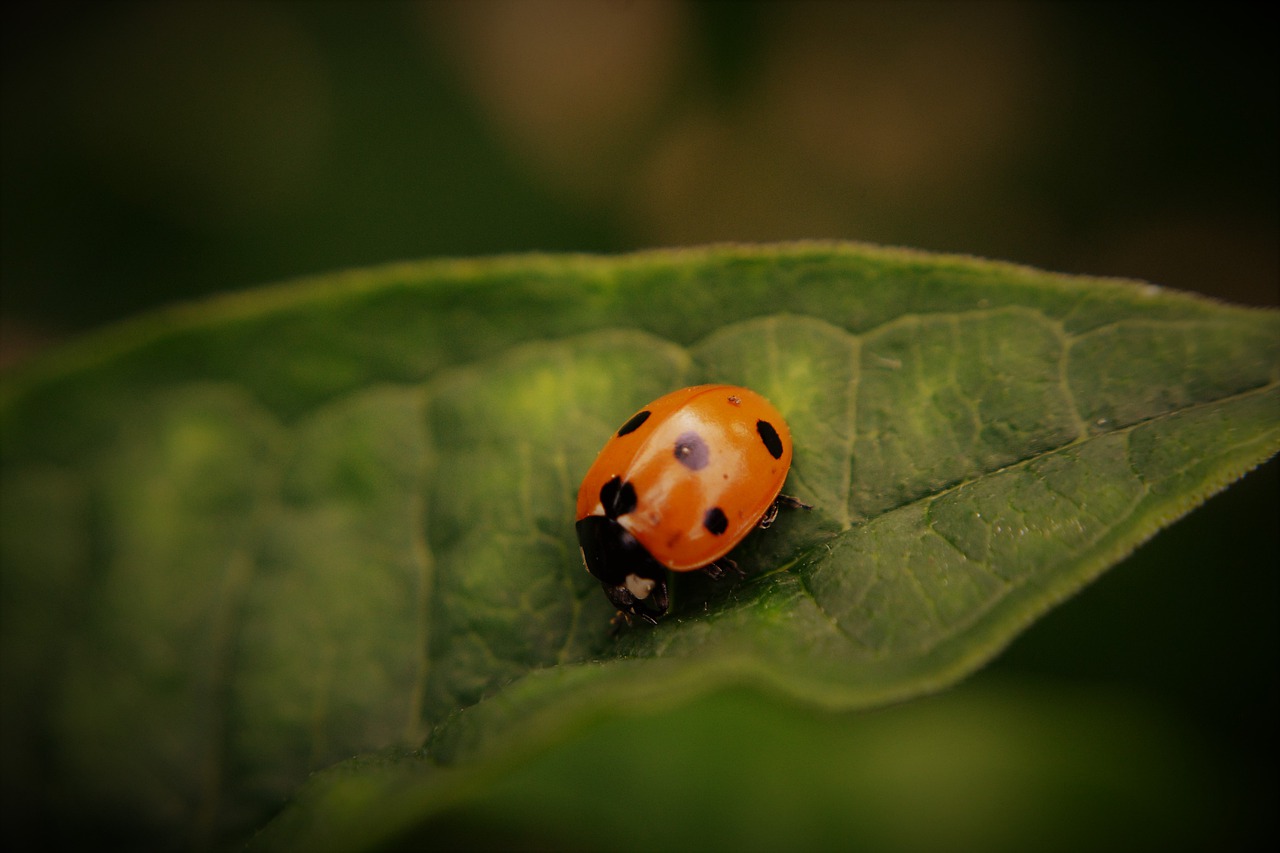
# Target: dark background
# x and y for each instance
(156, 152)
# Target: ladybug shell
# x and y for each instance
(692, 473)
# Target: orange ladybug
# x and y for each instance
(682, 482)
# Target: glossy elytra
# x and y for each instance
(682, 482)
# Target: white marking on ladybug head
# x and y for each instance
(640, 587)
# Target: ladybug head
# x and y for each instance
(633, 581)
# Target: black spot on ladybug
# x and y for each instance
(634, 424)
(715, 521)
(769, 436)
(692, 452)
(617, 498)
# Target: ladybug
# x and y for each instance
(682, 482)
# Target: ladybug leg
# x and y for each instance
(622, 617)
(615, 624)
(792, 503)
(660, 600)
(771, 514)
(722, 567)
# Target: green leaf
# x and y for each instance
(991, 766)
(246, 539)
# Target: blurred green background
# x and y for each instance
(155, 152)
(161, 151)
